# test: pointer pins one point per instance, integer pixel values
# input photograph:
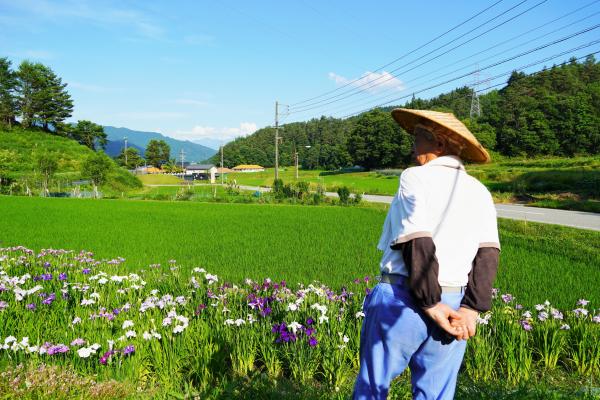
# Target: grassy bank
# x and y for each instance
(18, 170)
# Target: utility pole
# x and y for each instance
(296, 160)
(221, 163)
(276, 139)
(125, 151)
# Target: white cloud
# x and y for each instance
(372, 82)
(211, 132)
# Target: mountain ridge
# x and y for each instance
(192, 151)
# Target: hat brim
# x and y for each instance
(447, 124)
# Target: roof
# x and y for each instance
(224, 170)
(248, 166)
(200, 166)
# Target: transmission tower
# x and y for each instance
(475, 107)
(182, 156)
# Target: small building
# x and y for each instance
(154, 170)
(248, 168)
(200, 172)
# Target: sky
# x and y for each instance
(210, 71)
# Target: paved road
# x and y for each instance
(576, 219)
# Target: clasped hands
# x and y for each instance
(461, 324)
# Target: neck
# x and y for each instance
(426, 157)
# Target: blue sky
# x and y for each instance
(211, 70)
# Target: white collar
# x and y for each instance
(447, 161)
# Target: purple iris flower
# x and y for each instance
(526, 325)
(57, 349)
(62, 276)
(128, 350)
(31, 306)
(312, 341)
(507, 298)
(86, 271)
(48, 300)
(266, 311)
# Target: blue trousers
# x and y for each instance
(395, 334)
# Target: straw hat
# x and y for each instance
(445, 124)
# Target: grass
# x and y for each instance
(18, 148)
(368, 182)
(299, 244)
(159, 179)
(22, 144)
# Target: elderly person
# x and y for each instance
(440, 255)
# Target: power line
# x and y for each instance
(491, 79)
(477, 62)
(523, 53)
(390, 76)
(404, 55)
(532, 74)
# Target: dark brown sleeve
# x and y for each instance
(423, 268)
(478, 295)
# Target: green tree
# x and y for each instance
(7, 160)
(8, 86)
(97, 167)
(42, 98)
(88, 134)
(46, 164)
(484, 132)
(157, 153)
(377, 141)
(134, 159)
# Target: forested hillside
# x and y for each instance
(555, 111)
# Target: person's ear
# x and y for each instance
(441, 145)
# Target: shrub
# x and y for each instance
(344, 194)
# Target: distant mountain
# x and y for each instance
(211, 143)
(193, 151)
(113, 147)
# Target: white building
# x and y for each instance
(200, 172)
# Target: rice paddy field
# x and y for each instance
(205, 300)
(299, 244)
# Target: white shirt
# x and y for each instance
(440, 200)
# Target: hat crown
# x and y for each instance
(446, 124)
